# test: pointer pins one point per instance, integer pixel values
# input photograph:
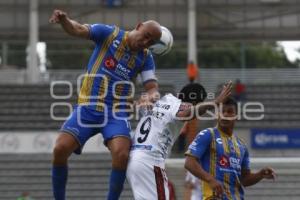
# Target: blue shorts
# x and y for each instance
(84, 123)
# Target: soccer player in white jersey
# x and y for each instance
(154, 138)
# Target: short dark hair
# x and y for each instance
(231, 102)
(192, 93)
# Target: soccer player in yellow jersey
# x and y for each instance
(221, 160)
(119, 56)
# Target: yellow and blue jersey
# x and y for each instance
(111, 69)
(223, 157)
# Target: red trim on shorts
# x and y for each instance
(160, 186)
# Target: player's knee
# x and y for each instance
(60, 155)
(121, 155)
(60, 150)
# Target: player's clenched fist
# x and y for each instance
(217, 187)
(57, 16)
(268, 173)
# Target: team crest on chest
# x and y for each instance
(126, 57)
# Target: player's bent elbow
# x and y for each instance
(246, 178)
(245, 183)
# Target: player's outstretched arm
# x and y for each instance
(249, 178)
(70, 26)
(193, 166)
(225, 93)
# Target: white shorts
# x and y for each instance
(148, 182)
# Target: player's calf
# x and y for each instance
(119, 148)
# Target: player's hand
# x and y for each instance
(225, 93)
(57, 16)
(144, 102)
(268, 173)
(147, 100)
(217, 187)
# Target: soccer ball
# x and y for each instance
(165, 43)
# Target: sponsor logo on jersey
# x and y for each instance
(158, 115)
(122, 71)
(110, 63)
(202, 133)
(224, 161)
(230, 162)
(116, 43)
(164, 106)
(193, 146)
(219, 140)
(235, 163)
(141, 147)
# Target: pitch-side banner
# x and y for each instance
(41, 142)
(275, 138)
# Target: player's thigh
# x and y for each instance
(81, 126)
(142, 181)
(116, 136)
(145, 182)
(116, 128)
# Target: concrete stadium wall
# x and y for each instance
(43, 142)
(210, 78)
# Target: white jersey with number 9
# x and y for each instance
(155, 133)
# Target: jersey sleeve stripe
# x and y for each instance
(188, 153)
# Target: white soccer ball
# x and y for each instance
(165, 43)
